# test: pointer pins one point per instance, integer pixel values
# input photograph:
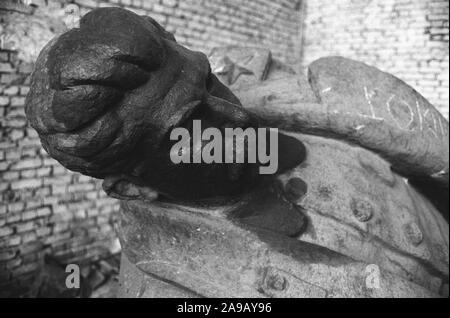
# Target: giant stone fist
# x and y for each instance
(105, 96)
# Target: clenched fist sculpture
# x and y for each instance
(105, 97)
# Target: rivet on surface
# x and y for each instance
(362, 210)
(413, 233)
(277, 282)
(295, 188)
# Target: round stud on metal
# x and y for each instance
(277, 282)
(413, 233)
(295, 189)
(362, 210)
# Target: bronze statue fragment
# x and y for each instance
(358, 149)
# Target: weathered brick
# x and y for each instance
(5, 231)
(84, 179)
(58, 189)
(60, 237)
(3, 186)
(80, 214)
(16, 134)
(7, 255)
(92, 212)
(16, 122)
(6, 68)
(25, 174)
(81, 187)
(13, 217)
(4, 166)
(6, 145)
(26, 183)
(28, 237)
(10, 78)
(11, 90)
(91, 196)
(61, 213)
(13, 263)
(4, 100)
(29, 163)
(43, 191)
(17, 101)
(13, 154)
(43, 172)
(43, 211)
(87, 3)
(4, 56)
(25, 68)
(33, 204)
(27, 259)
(10, 175)
(61, 227)
(170, 3)
(29, 215)
(31, 133)
(27, 268)
(24, 90)
(16, 207)
(43, 231)
(28, 152)
(13, 240)
(50, 162)
(24, 227)
(59, 170)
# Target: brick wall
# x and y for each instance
(204, 24)
(46, 209)
(408, 38)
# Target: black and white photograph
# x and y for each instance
(224, 154)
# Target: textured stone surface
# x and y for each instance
(203, 253)
(353, 101)
(359, 213)
(386, 115)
